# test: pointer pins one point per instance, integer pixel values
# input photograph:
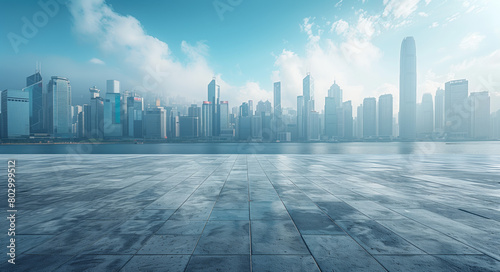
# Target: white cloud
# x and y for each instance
(147, 63)
(471, 41)
(400, 8)
(434, 25)
(96, 61)
(340, 27)
(423, 14)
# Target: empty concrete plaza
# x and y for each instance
(255, 213)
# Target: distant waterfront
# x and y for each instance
(482, 147)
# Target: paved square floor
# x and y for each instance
(255, 213)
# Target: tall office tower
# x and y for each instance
(135, 109)
(331, 117)
(206, 119)
(15, 110)
(244, 109)
(124, 112)
(278, 125)
(408, 90)
(359, 121)
(308, 93)
(195, 111)
(426, 116)
(83, 122)
(348, 122)
(76, 112)
(213, 98)
(59, 107)
(439, 111)
(369, 117)
(95, 130)
(385, 115)
(495, 125)
(113, 125)
(250, 108)
(336, 93)
(256, 126)
(480, 115)
(34, 87)
(314, 126)
(456, 112)
(224, 115)
(300, 117)
(112, 86)
(155, 123)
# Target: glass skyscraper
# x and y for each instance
(59, 107)
(34, 87)
(408, 90)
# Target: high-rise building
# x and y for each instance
(155, 123)
(15, 110)
(369, 117)
(385, 115)
(348, 121)
(250, 107)
(456, 112)
(314, 126)
(224, 115)
(188, 127)
(206, 119)
(83, 122)
(480, 115)
(308, 94)
(113, 125)
(95, 119)
(59, 107)
(439, 111)
(263, 108)
(244, 108)
(331, 128)
(408, 89)
(213, 98)
(135, 109)
(300, 117)
(256, 126)
(359, 121)
(336, 93)
(426, 117)
(278, 126)
(34, 86)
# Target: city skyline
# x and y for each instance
(314, 44)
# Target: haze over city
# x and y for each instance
(173, 53)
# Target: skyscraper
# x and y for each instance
(34, 87)
(456, 112)
(385, 115)
(308, 94)
(95, 119)
(408, 89)
(113, 126)
(224, 115)
(359, 121)
(300, 117)
(336, 93)
(348, 122)
(206, 119)
(59, 107)
(439, 111)
(15, 114)
(369, 117)
(331, 117)
(213, 98)
(278, 121)
(480, 115)
(135, 108)
(155, 123)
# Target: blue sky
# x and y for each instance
(173, 48)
